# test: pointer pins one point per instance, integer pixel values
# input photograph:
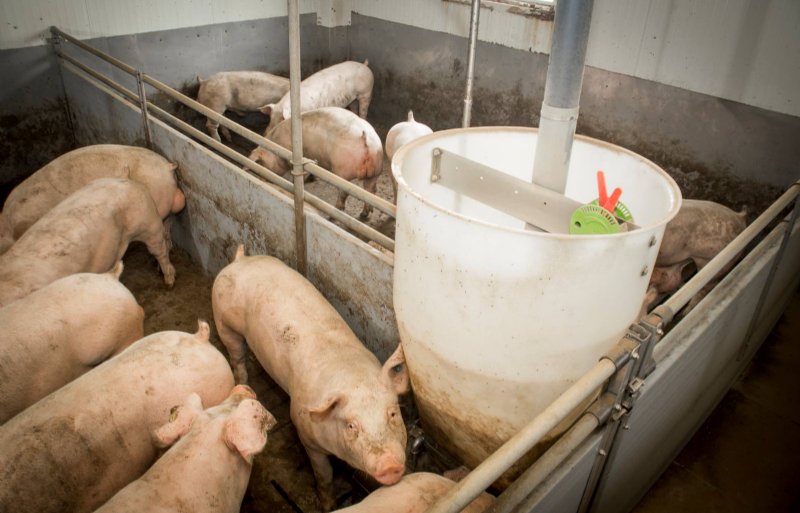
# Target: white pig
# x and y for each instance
(699, 231)
(51, 184)
(74, 449)
(239, 91)
(208, 469)
(415, 493)
(62, 331)
(339, 141)
(403, 133)
(87, 232)
(335, 86)
(342, 401)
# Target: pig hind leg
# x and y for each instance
(370, 185)
(363, 104)
(341, 200)
(237, 350)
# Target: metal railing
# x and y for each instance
(309, 166)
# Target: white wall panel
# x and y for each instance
(25, 22)
(742, 50)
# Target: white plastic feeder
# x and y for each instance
(497, 320)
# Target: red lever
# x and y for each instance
(603, 200)
(601, 188)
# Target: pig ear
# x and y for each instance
(324, 409)
(181, 418)
(395, 371)
(246, 429)
(267, 109)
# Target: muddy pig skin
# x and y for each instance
(342, 401)
(208, 468)
(696, 235)
(75, 448)
(239, 91)
(62, 331)
(415, 493)
(50, 185)
(338, 140)
(335, 86)
(87, 232)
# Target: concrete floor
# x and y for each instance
(746, 456)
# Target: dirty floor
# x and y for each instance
(746, 456)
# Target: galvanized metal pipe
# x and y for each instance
(474, 18)
(562, 93)
(267, 174)
(143, 107)
(297, 135)
(518, 496)
(519, 444)
(770, 278)
(321, 173)
(684, 294)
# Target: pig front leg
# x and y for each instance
(237, 350)
(323, 473)
(213, 129)
(156, 241)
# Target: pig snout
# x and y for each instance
(389, 468)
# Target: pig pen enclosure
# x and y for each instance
(745, 165)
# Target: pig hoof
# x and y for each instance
(169, 277)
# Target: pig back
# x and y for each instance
(87, 232)
(51, 184)
(75, 448)
(287, 323)
(49, 338)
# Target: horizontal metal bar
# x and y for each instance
(97, 53)
(498, 462)
(517, 497)
(680, 298)
(334, 213)
(323, 174)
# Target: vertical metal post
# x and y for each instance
(55, 42)
(751, 328)
(297, 136)
(143, 106)
(562, 93)
(473, 40)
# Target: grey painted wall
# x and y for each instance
(34, 126)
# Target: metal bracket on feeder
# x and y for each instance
(538, 206)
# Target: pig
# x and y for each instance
(401, 134)
(239, 91)
(415, 493)
(87, 232)
(343, 402)
(49, 339)
(335, 86)
(208, 468)
(50, 185)
(75, 448)
(699, 231)
(339, 141)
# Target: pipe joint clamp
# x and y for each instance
(558, 113)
